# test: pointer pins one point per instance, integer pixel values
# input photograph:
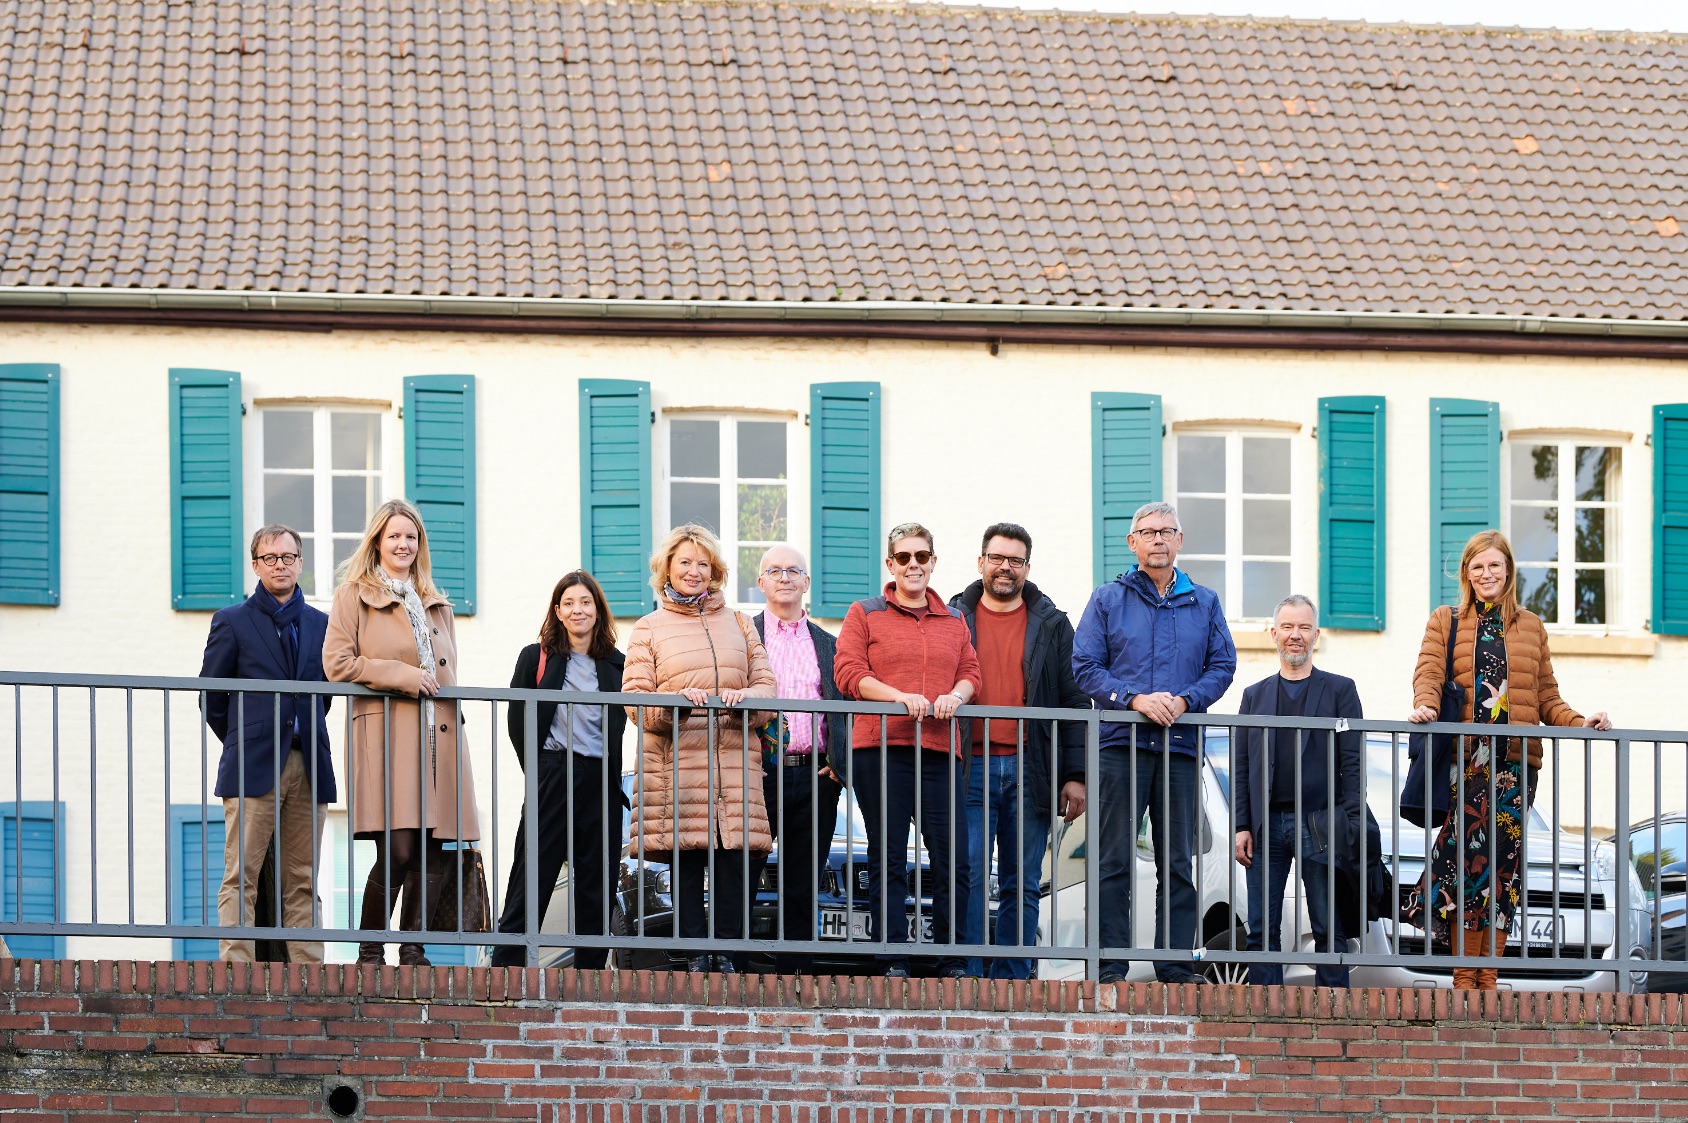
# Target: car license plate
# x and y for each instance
(1543, 929)
(836, 925)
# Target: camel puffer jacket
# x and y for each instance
(1532, 693)
(675, 648)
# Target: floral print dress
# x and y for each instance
(1475, 856)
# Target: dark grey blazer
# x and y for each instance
(1328, 695)
(837, 725)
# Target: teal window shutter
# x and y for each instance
(29, 483)
(1464, 485)
(34, 833)
(207, 547)
(196, 874)
(1125, 473)
(844, 530)
(1670, 520)
(1352, 560)
(615, 490)
(439, 473)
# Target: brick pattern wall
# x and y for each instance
(125, 1041)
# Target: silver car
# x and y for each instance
(1219, 883)
(1563, 869)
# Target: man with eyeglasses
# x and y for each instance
(276, 775)
(904, 647)
(1025, 648)
(1153, 641)
(803, 752)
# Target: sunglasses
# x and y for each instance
(902, 557)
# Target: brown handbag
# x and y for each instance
(466, 877)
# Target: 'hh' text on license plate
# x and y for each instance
(835, 925)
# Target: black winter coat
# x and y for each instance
(1047, 667)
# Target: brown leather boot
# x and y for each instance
(411, 911)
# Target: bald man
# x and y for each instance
(799, 784)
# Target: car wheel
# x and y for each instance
(1230, 972)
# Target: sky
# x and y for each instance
(1609, 15)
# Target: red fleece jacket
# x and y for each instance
(929, 655)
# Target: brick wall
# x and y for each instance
(131, 1041)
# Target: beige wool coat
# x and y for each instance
(675, 648)
(370, 642)
(1531, 690)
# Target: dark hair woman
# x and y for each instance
(1501, 658)
(578, 745)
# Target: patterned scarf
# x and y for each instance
(405, 594)
(677, 597)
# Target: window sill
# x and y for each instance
(1571, 643)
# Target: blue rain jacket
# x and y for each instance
(1133, 641)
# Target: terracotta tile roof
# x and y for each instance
(762, 151)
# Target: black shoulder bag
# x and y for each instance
(1431, 755)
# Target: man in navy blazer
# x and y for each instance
(1305, 819)
(275, 778)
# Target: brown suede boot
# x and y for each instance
(1477, 943)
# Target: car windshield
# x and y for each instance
(1659, 852)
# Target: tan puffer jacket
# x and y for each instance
(1531, 690)
(674, 648)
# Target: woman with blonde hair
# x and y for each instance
(1500, 657)
(700, 778)
(391, 629)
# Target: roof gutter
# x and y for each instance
(928, 320)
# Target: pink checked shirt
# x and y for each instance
(791, 651)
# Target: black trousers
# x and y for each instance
(726, 895)
(941, 780)
(567, 812)
(803, 815)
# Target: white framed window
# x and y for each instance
(1233, 493)
(730, 474)
(321, 471)
(1563, 523)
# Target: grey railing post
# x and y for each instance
(1093, 848)
(1620, 865)
(530, 823)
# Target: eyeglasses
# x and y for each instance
(921, 557)
(1152, 534)
(793, 572)
(1007, 560)
(272, 559)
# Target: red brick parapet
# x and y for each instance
(103, 1040)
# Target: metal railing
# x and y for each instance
(1584, 917)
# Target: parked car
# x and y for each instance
(1220, 885)
(644, 904)
(1658, 850)
(1569, 902)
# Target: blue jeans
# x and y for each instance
(941, 781)
(1266, 918)
(1019, 867)
(1168, 786)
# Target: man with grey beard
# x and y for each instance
(1287, 813)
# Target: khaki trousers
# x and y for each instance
(255, 817)
(1479, 978)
